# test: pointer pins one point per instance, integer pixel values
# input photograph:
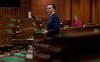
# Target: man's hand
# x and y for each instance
(45, 31)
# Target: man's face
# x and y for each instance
(50, 10)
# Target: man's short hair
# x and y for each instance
(53, 6)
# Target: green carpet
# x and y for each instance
(13, 59)
(19, 55)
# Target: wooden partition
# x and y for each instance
(5, 39)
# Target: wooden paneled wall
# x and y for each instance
(39, 8)
(18, 12)
(96, 11)
(88, 11)
(80, 8)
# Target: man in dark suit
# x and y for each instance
(53, 26)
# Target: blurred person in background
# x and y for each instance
(76, 22)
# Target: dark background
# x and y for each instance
(9, 3)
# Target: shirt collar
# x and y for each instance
(52, 14)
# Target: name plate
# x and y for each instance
(29, 56)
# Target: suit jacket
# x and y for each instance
(53, 26)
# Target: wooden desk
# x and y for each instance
(79, 29)
(73, 46)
